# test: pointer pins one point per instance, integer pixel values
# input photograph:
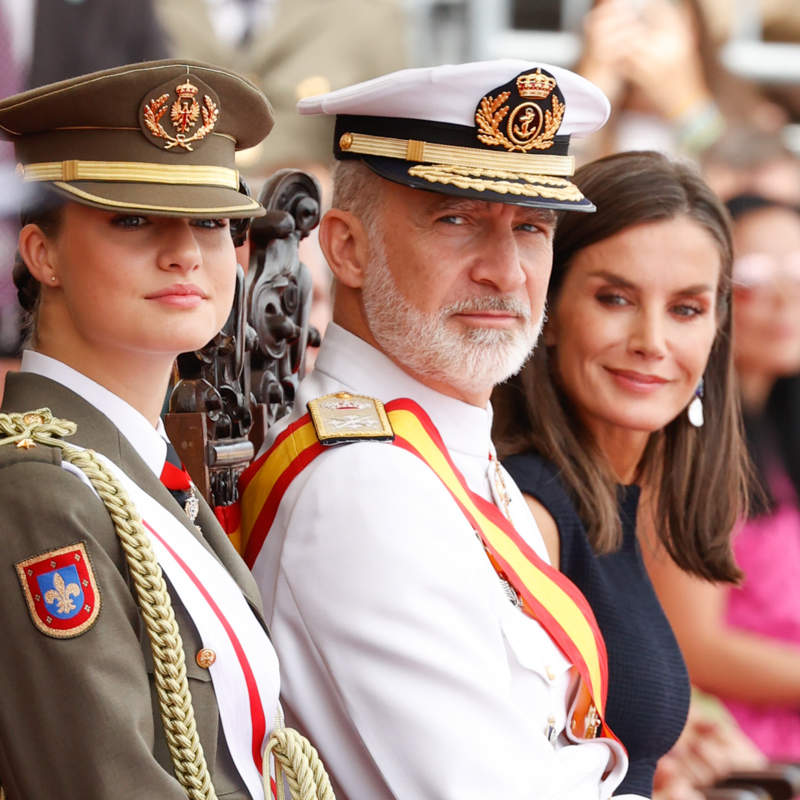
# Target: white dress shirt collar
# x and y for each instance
(149, 442)
(366, 370)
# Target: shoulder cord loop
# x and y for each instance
(155, 604)
(297, 759)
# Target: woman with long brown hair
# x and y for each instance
(631, 388)
(754, 629)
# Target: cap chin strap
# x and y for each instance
(130, 172)
(455, 155)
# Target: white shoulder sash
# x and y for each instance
(245, 672)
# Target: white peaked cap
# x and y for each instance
(492, 130)
(449, 93)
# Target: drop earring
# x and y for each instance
(695, 411)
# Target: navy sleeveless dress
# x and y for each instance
(648, 692)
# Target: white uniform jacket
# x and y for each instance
(401, 655)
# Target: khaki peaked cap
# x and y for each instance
(156, 137)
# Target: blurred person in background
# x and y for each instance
(638, 307)
(13, 196)
(710, 747)
(292, 50)
(51, 40)
(754, 629)
(745, 160)
(779, 19)
(656, 62)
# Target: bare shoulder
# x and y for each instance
(547, 527)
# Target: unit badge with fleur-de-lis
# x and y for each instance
(60, 591)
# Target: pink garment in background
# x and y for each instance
(768, 603)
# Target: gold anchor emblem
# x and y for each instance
(530, 125)
(62, 594)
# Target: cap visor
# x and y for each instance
(172, 200)
(491, 185)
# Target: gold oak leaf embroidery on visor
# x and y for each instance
(499, 181)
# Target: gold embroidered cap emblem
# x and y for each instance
(345, 417)
(190, 119)
(519, 117)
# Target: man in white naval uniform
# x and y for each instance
(403, 656)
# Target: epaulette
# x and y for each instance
(343, 418)
(32, 436)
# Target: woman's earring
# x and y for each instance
(696, 407)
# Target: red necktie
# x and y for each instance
(175, 477)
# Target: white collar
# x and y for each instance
(345, 357)
(149, 442)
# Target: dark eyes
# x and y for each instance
(612, 299)
(530, 227)
(527, 227)
(133, 221)
(687, 310)
(210, 223)
(129, 221)
(617, 300)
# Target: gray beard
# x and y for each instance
(435, 348)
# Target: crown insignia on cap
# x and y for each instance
(186, 90)
(527, 122)
(184, 114)
(535, 84)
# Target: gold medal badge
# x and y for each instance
(178, 115)
(523, 115)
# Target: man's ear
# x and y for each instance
(345, 243)
(35, 250)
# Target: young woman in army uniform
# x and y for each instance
(126, 261)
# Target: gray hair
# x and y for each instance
(357, 189)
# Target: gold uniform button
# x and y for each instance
(205, 658)
(551, 673)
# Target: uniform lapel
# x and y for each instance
(26, 392)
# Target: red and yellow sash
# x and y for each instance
(546, 595)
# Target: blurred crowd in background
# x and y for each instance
(713, 81)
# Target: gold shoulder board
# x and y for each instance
(343, 417)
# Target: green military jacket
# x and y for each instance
(79, 716)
